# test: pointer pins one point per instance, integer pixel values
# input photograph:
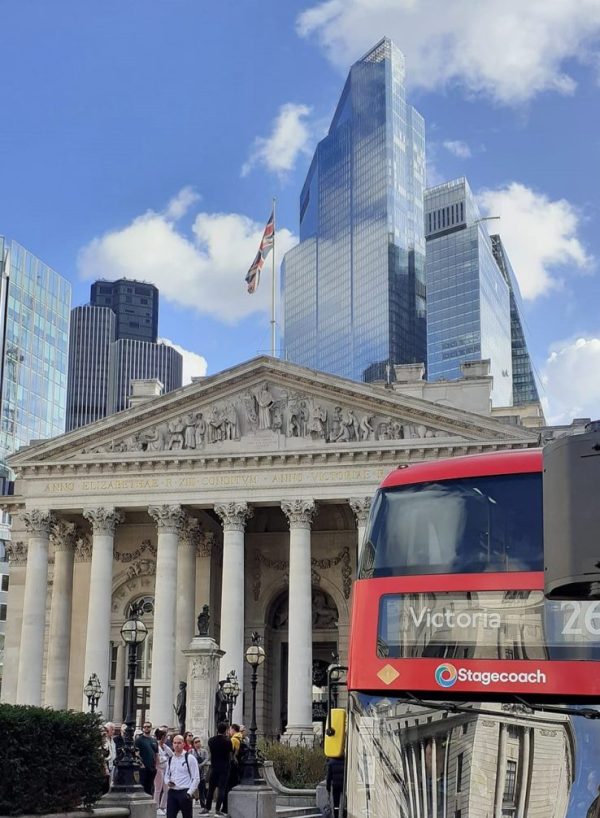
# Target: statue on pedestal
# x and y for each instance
(180, 706)
(203, 621)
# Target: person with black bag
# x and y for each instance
(335, 782)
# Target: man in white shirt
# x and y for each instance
(111, 748)
(181, 779)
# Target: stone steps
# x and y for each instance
(298, 812)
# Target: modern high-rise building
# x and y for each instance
(132, 360)
(107, 351)
(468, 298)
(353, 289)
(524, 383)
(135, 305)
(92, 333)
(35, 340)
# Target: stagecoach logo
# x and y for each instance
(447, 675)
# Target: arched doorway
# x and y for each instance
(325, 649)
(141, 605)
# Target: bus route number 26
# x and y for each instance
(580, 618)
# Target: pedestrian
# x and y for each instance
(335, 782)
(182, 778)
(188, 741)
(112, 748)
(237, 740)
(120, 740)
(106, 754)
(203, 764)
(160, 789)
(147, 747)
(220, 761)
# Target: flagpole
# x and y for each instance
(273, 288)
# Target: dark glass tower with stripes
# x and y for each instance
(353, 289)
(112, 345)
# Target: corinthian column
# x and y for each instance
(299, 514)
(361, 507)
(59, 634)
(233, 516)
(97, 640)
(31, 654)
(186, 594)
(169, 520)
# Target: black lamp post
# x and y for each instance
(133, 632)
(231, 691)
(93, 691)
(255, 656)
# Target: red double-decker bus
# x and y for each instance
(469, 693)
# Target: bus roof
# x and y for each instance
(475, 465)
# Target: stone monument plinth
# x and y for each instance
(203, 656)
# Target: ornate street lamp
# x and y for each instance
(93, 691)
(133, 632)
(255, 656)
(231, 691)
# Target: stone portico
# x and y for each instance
(248, 490)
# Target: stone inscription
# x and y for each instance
(216, 481)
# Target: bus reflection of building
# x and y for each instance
(424, 763)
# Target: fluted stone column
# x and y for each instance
(186, 595)
(62, 538)
(233, 517)
(299, 514)
(16, 554)
(500, 771)
(119, 684)
(31, 655)
(169, 520)
(97, 640)
(361, 507)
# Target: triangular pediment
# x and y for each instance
(269, 406)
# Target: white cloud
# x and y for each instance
(458, 148)
(540, 236)
(194, 365)
(204, 270)
(290, 136)
(571, 380)
(181, 203)
(510, 50)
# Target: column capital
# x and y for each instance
(189, 531)
(361, 507)
(38, 522)
(233, 515)
(205, 544)
(168, 518)
(16, 553)
(63, 536)
(103, 520)
(83, 548)
(300, 513)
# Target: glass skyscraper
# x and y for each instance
(353, 289)
(134, 304)
(468, 298)
(524, 384)
(35, 333)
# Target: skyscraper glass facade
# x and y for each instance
(130, 360)
(353, 289)
(36, 343)
(524, 384)
(468, 299)
(135, 305)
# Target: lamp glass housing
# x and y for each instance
(134, 631)
(255, 655)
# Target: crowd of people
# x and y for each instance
(176, 770)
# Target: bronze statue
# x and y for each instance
(180, 707)
(203, 621)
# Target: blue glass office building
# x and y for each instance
(468, 298)
(353, 289)
(35, 331)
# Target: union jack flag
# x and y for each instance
(266, 245)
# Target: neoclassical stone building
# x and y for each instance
(247, 490)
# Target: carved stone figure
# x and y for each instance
(215, 426)
(265, 401)
(324, 615)
(231, 422)
(220, 704)
(336, 419)
(293, 425)
(180, 706)
(200, 430)
(203, 621)
(277, 423)
(364, 427)
(317, 424)
(157, 439)
(304, 418)
(249, 402)
(176, 434)
(189, 432)
(348, 427)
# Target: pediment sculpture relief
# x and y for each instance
(267, 410)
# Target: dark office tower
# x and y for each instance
(131, 360)
(354, 287)
(92, 333)
(135, 305)
(524, 386)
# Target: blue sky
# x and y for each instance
(146, 138)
